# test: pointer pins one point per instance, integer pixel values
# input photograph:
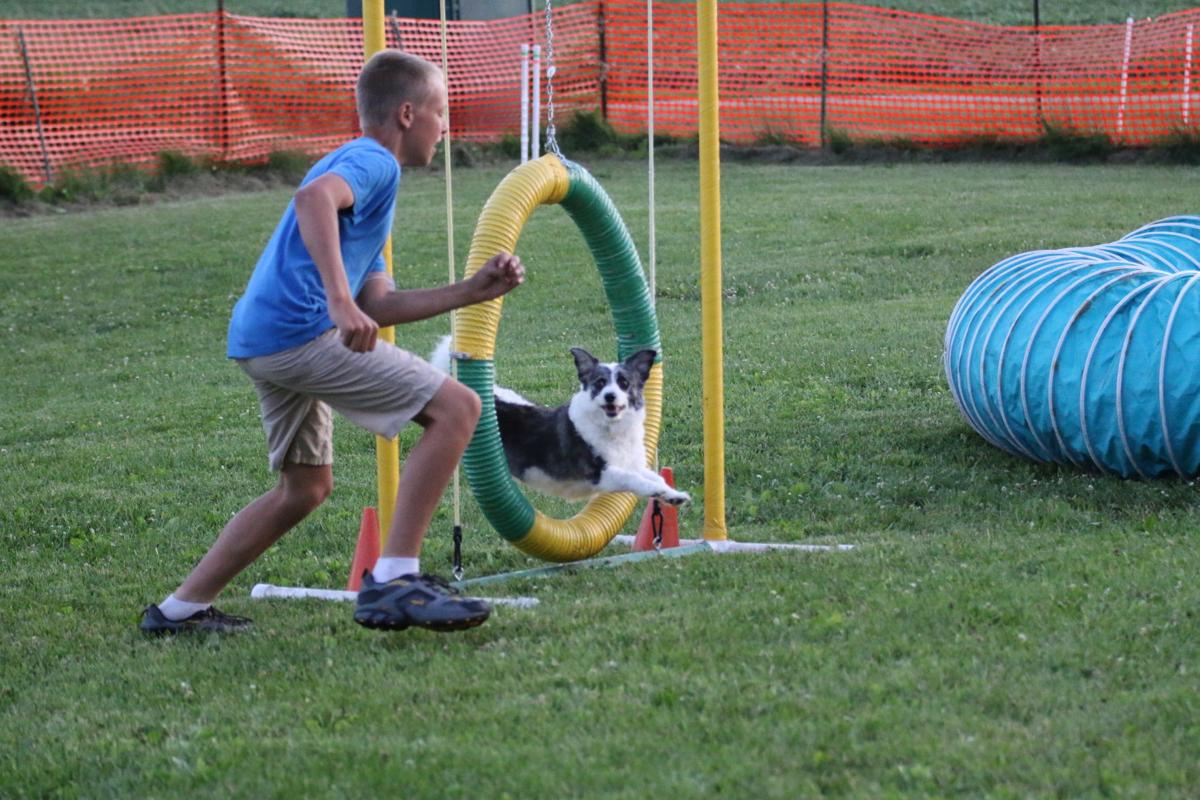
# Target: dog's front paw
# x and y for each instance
(674, 498)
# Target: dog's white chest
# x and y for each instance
(571, 490)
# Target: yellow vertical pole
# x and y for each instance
(387, 451)
(710, 273)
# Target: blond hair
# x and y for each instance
(390, 79)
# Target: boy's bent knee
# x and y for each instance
(454, 403)
(305, 486)
(472, 405)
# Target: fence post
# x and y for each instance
(222, 94)
(1037, 62)
(1124, 78)
(37, 109)
(600, 23)
(823, 134)
(1187, 76)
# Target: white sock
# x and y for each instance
(393, 567)
(176, 610)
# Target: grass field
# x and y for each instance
(1003, 629)
(996, 12)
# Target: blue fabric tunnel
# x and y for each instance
(1087, 355)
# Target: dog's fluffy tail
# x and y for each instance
(440, 357)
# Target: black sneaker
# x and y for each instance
(207, 621)
(426, 601)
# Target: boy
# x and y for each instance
(305, 332)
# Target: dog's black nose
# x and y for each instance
(609, 397)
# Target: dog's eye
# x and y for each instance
(600, 384)
(623, 382)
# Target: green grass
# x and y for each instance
(1003, 629)
(997, 12)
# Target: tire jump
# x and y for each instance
(551, 180)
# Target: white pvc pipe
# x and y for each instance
(535, 139)
(1187, 76)
(524, 103)
(1125, 77)
(730, 546)
(266, 591)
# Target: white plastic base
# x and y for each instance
(730, 546)
(266, 591)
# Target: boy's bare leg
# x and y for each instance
(301, 488)
(403, 602)
(449, 421)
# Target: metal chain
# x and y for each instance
(656, 525)
(456, 560)
(551, 141)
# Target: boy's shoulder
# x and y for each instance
(365, 147)
(362, 162)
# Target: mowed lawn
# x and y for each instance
(1001, 629)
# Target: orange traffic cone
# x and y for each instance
(667, 521)
(366, 552)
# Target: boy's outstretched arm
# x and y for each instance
(501, 274)
(317, 206)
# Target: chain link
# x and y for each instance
(656, 525)
(551, 141)
(456, 559)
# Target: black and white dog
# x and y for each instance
(594, 443)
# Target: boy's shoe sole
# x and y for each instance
(210, 620)
(417, 601)
(383, 623)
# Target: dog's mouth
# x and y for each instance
(612, 410)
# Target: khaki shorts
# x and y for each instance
(381, 391)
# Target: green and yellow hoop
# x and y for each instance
(550, 180)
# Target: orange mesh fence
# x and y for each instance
(484, 65)
(108, 90)
(238, 88)
(899, 75)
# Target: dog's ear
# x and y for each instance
(641, 362)
(585, 362)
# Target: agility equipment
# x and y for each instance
(269, 591)
(552, 180)
(659, 529)
(387, 451)
(447, 153)
(366, 551)
(711, 320)
(1087, 356)
(531, 101)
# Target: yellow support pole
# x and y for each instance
(387, 451)
(710, 274)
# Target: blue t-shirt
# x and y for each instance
(284, 304)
